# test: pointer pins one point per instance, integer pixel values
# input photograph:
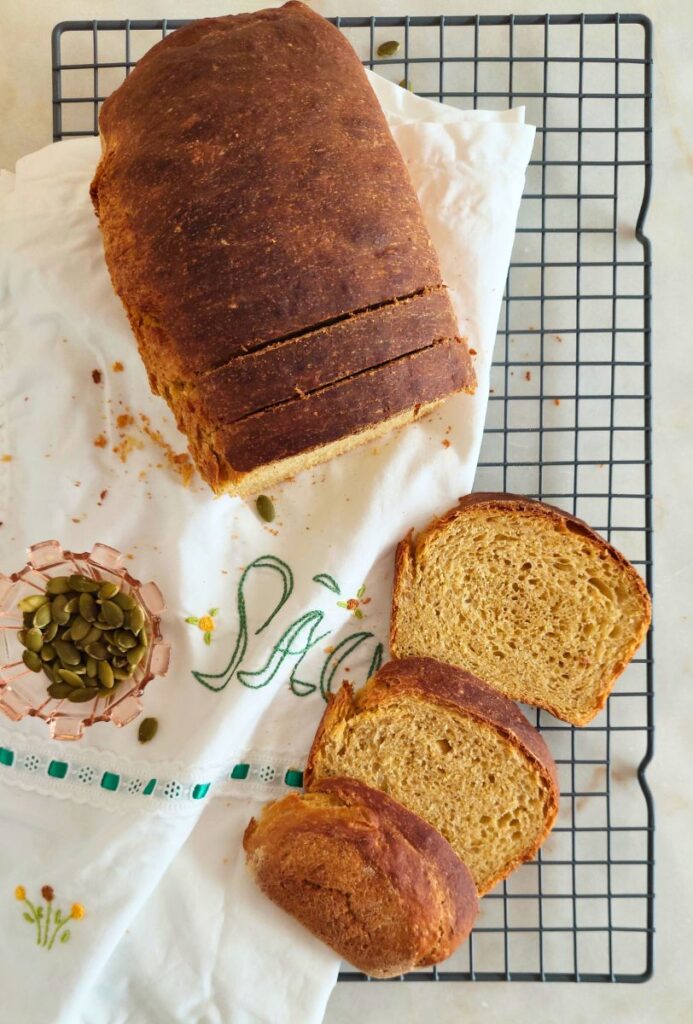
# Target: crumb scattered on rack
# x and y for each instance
(117, 367)
(472, 351)
(178, 461)
(445, 443)
(76, 519)
(557, 337)
(124, 420)
(99, 441)
(126, 445)
(556, 401)
(96, 376)
(528, 375)
(7, 458)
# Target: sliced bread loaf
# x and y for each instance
(452, 750)
(524, 595)
(365, 875)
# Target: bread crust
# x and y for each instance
(405, 563)
(249, 192)
(341, 410)
(460, 693)
(361, 839)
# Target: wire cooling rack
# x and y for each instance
(569, 419)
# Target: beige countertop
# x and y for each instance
(25, 119)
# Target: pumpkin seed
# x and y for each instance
(72, 604)
(42, 616)
(388, 49)
(80, 628)
(28, 620)
(83, 694)
(406, 84)
(265, 508)
(71, 678)
(105, 674)
(120, 672)
(125, 639)
(136, 619)
(59, 612)
(59, 690)
(135, 655)
(32, 661)
(108, 590)
(50, 631)
(106, 694)
(147, 730)
(48, 652)
(93, 635)
(33, 640)
(143, 638)
(68, 654)
(112, 613)
(21, 636)
(91, 667)
(83, 585)
(97, 651)
(32, 602)
(125, 601)
(102, 624)
(58, 585)
(87, 607)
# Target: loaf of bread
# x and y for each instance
(524, 595)
(261, 229)
(452, 750)
(368, 877)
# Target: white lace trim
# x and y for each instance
(101, 779)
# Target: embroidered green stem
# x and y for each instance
(36, 917)
(327, 581)
(47, 924)
(55, 920)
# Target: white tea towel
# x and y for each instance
(138, 847)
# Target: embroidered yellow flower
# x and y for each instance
(353, 603)
(20, 893)
(206, 623)
(77, 911)
(49, 921)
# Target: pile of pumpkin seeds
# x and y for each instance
(87, 635)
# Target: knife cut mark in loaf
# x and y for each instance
(452, 750)
(524, 595)
(250, 194)
(365, 875)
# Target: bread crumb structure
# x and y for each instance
(453, 751)
(525, 596)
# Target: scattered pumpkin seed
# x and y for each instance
(59, 612)
(147, 730)
(97, 651)
(265, 508)
(125, 639)
(87, 607)
(28, 620)
(406, 84)
(112, 613)
(91, 667)
(83, 694)
(67, 652)
(92, 636)
(72, 604)
(388, 49)
(80, 628)
(32, 661)
(59, 690)
(58, 585)
(33, 639)
(21, 636)
(71, 678)
(120, 672)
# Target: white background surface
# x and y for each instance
(25, 120)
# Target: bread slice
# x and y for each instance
(524, 595)
(255, 451)
(452, 750)
(368, 877)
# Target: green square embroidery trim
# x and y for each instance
(6, 756)
(110, 781)
(58, 769)
(240, 771)
(200, 790)
(293, 777)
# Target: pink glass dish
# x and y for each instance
(25, 693)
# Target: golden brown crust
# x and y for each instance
(338, 411)
(405, 561)
(460, 693)
(301, 365)
(250, 192)
(249, 187)
(365, 875)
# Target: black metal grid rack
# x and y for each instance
(569, 418)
